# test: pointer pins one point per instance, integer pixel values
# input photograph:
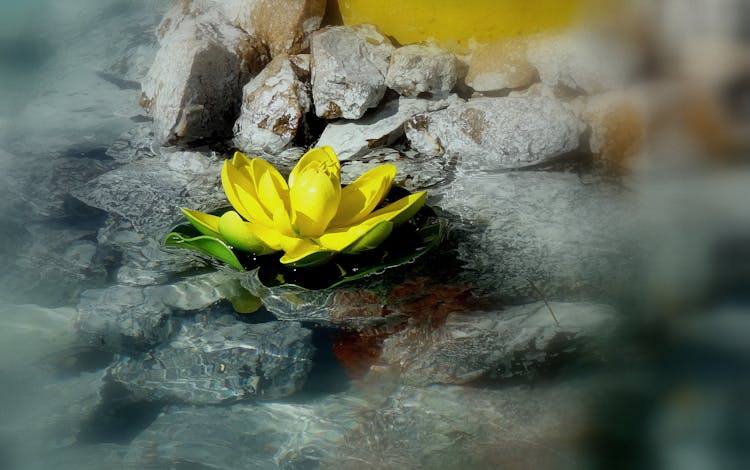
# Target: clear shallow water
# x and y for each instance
(671, 392)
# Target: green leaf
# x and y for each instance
(207, 245)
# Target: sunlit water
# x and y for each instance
(673, 387)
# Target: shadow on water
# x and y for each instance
(24, 53)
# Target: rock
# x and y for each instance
(197, 292)
(353, 139)
(479, 345)
(274, 104)
(123, 318)
(500, 66)
(583, 62)
(284, 27)
(526, 235)
(150, 192)
(349, 65)
(194, 86)
(405, 427)
(416, 69)
(214, 360)
(497, 133)
(415, 172)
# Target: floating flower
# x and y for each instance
(310, 217)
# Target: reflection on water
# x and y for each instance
(666, 390)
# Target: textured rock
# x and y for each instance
(213, 360)
(284, 27)
(497, 133)
(500, 66)
(416, 69)
(150, 192)
(353, 139)
(194, 86)
(349, 65)
(274, 104)
(526, 235)
(583, 62)
(407, 427)
(123, 318)
(517, 341)
(415, 172)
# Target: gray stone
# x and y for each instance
(274, 104)
(527, 235)
(353, 139)
(349, 65)
(380, 427)
(416, 69)
(518, 341)
(123, 318)
(583, 61)
(197, 292)
(134, 144)
(497, 133)
(213, 360)
(150, 192)
(194, 86)
(415, 172)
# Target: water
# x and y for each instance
(664, 387)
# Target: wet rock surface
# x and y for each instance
(497, 133)
(212, 360)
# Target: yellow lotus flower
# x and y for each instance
(311, 217)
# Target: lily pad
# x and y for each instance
(406, 243)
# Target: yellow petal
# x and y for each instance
(206, 224)
(363, 195)
(240, 160)
(270, 186)
(400, 211)
(357, 238)
(305, 253)
(314, 200)
(232, 180)
(240, 235)
(323, 157)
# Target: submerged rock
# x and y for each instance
(526, 235)
(416, 69)
(150, 192)
(349, 65)
(194, 86)
(353, 139)
(212, 360)
(518, 341)
(274, 104)
(497, 133)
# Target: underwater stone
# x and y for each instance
(479, 345)
(415, 172)
(497, 133)
(382, 127)
(274, 104)
(194, 86)
(416, 69)
(123, 318)
(150, 192)
(213, 360)
(527, 235)
(349, 65)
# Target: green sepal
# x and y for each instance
(370, 240)
(207, 245)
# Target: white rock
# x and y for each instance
(273, 106)
(194, 87)
(349, 65)
(416, 69)
(583, 62)
(495, 133)
(352, 139)
(500, 66)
